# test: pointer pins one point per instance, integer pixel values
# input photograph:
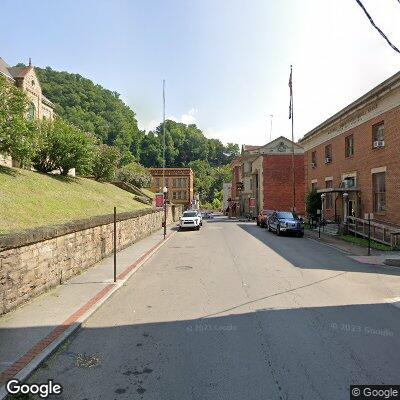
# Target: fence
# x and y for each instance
(379, 232)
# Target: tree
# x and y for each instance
(134, 174)
(92, 108)
(105, 162)
(313, 203)
(17, 137)
(63, 146)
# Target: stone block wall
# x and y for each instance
(35, 261)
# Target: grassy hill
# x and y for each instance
(29, 199)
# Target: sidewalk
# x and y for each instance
(30, 333)
(358, 253)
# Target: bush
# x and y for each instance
(134, 174)
(105, 162)
(313, 203)
(63, 147)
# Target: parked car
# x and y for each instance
(286, 222)
(262, 218)
(190, 219)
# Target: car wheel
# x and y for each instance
(198, 227)
(300, 234)
(258, 224)
(278, 230)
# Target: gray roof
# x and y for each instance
(4, 69)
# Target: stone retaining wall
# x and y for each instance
(35, 261)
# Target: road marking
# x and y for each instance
(25, 365)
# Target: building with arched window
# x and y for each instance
(25, 78)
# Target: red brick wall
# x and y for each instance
(277, 183)
(365, 158)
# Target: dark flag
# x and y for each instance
(291, 95)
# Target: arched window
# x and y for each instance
(31, 111)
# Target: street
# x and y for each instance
(235, 312)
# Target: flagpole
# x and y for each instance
(293, 169)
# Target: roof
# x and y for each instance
(250, 147)
(377, 91)
(19, 72)
(4, 69)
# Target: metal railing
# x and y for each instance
(380, 232)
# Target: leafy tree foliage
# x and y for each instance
(313, 203)
(93, 109)
(17, 137)
(135, 174)
(105, 160)
(63, 146)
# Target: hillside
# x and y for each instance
(30, 199)
(92, 108)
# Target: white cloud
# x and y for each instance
(190, 117)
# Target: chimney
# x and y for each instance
(30, 62)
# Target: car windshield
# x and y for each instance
(190, 214)
(286, 215)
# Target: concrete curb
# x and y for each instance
(393, 262)
(26, 365)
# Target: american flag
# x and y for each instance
(291, 94)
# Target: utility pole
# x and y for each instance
(270, 129)
(291, 116)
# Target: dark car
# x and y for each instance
(286, 222)
(262, 218)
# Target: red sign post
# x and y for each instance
(159, 199)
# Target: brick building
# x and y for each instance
(353, 158)
(39, 105)
(265, 174)
(179, 182)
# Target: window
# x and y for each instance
(329, 196)
(378, 135)
(313, 159)
(328, 154)
(179, 182)
(349, 146)
(379, 191)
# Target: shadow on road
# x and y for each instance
(306, 353)
(308, 254)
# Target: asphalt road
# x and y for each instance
(235, 312)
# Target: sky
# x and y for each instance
(226, 62)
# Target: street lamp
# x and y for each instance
(165, 191)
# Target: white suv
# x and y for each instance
(190, 219)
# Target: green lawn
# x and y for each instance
(148, 192)
(364, 242)
(30, 199)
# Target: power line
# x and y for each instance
(376, 27)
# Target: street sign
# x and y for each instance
(369, 216)
(159, 199)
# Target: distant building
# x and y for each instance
(226, 194)
(179, 182)
(264, 173)
(353, 158)
(25, 78)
